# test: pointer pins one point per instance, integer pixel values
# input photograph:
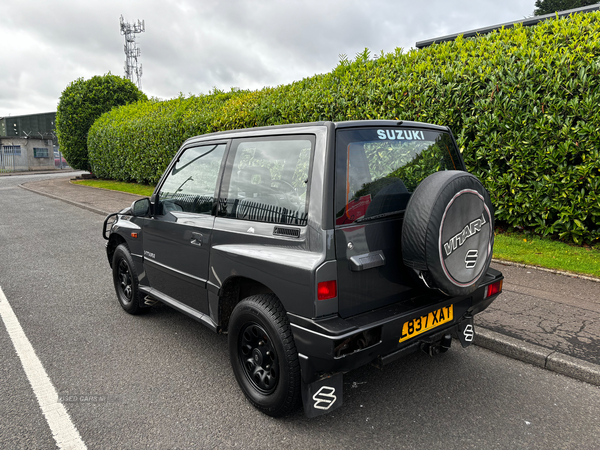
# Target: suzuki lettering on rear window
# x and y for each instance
(378, 169)
(401, 134)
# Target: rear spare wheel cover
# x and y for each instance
(448, 232)
(465, 245)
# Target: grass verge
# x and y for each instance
(131, 188)
(538, 251)
(516, 247)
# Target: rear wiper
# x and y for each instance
(379, 216)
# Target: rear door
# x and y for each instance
(377, 169)
(177, 238)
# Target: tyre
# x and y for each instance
(126, 281)
(448, 232)
(263, 355)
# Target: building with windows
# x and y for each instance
(27, 142)
(528, 22)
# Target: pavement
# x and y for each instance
(543, 317)
(36, 172)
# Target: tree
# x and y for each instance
(80, 104)
(552, 6)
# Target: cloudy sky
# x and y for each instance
(191, 46)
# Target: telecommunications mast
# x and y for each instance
(132, 71)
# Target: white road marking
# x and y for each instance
(64, 432)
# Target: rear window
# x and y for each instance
(377, 169)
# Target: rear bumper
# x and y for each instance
(319, 341)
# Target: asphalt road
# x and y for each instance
(164, 381)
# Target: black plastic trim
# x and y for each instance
(195, 314)
(328, 207)
(286, 232)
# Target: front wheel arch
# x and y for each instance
(113, 242)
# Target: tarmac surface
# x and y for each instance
(546, 318)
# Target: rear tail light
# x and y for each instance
(326, 290)
(494, 288)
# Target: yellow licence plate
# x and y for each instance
(425, 323)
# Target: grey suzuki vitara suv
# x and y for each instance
(318, 248)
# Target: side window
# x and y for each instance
(269, 180)
(190, 186)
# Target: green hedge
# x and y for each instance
(80, 104)
(136, 142)
(523, 103)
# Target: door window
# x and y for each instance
(190, 186)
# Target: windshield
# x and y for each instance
(377, 169)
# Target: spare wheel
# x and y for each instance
(448, 232)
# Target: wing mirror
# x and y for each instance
(140, 208)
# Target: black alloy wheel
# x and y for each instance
(126, 281)
(258, 358)
(263, 355)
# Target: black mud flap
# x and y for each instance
(323, 396)
(466, 331)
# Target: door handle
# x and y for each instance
(197, 239)
(367, 261)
